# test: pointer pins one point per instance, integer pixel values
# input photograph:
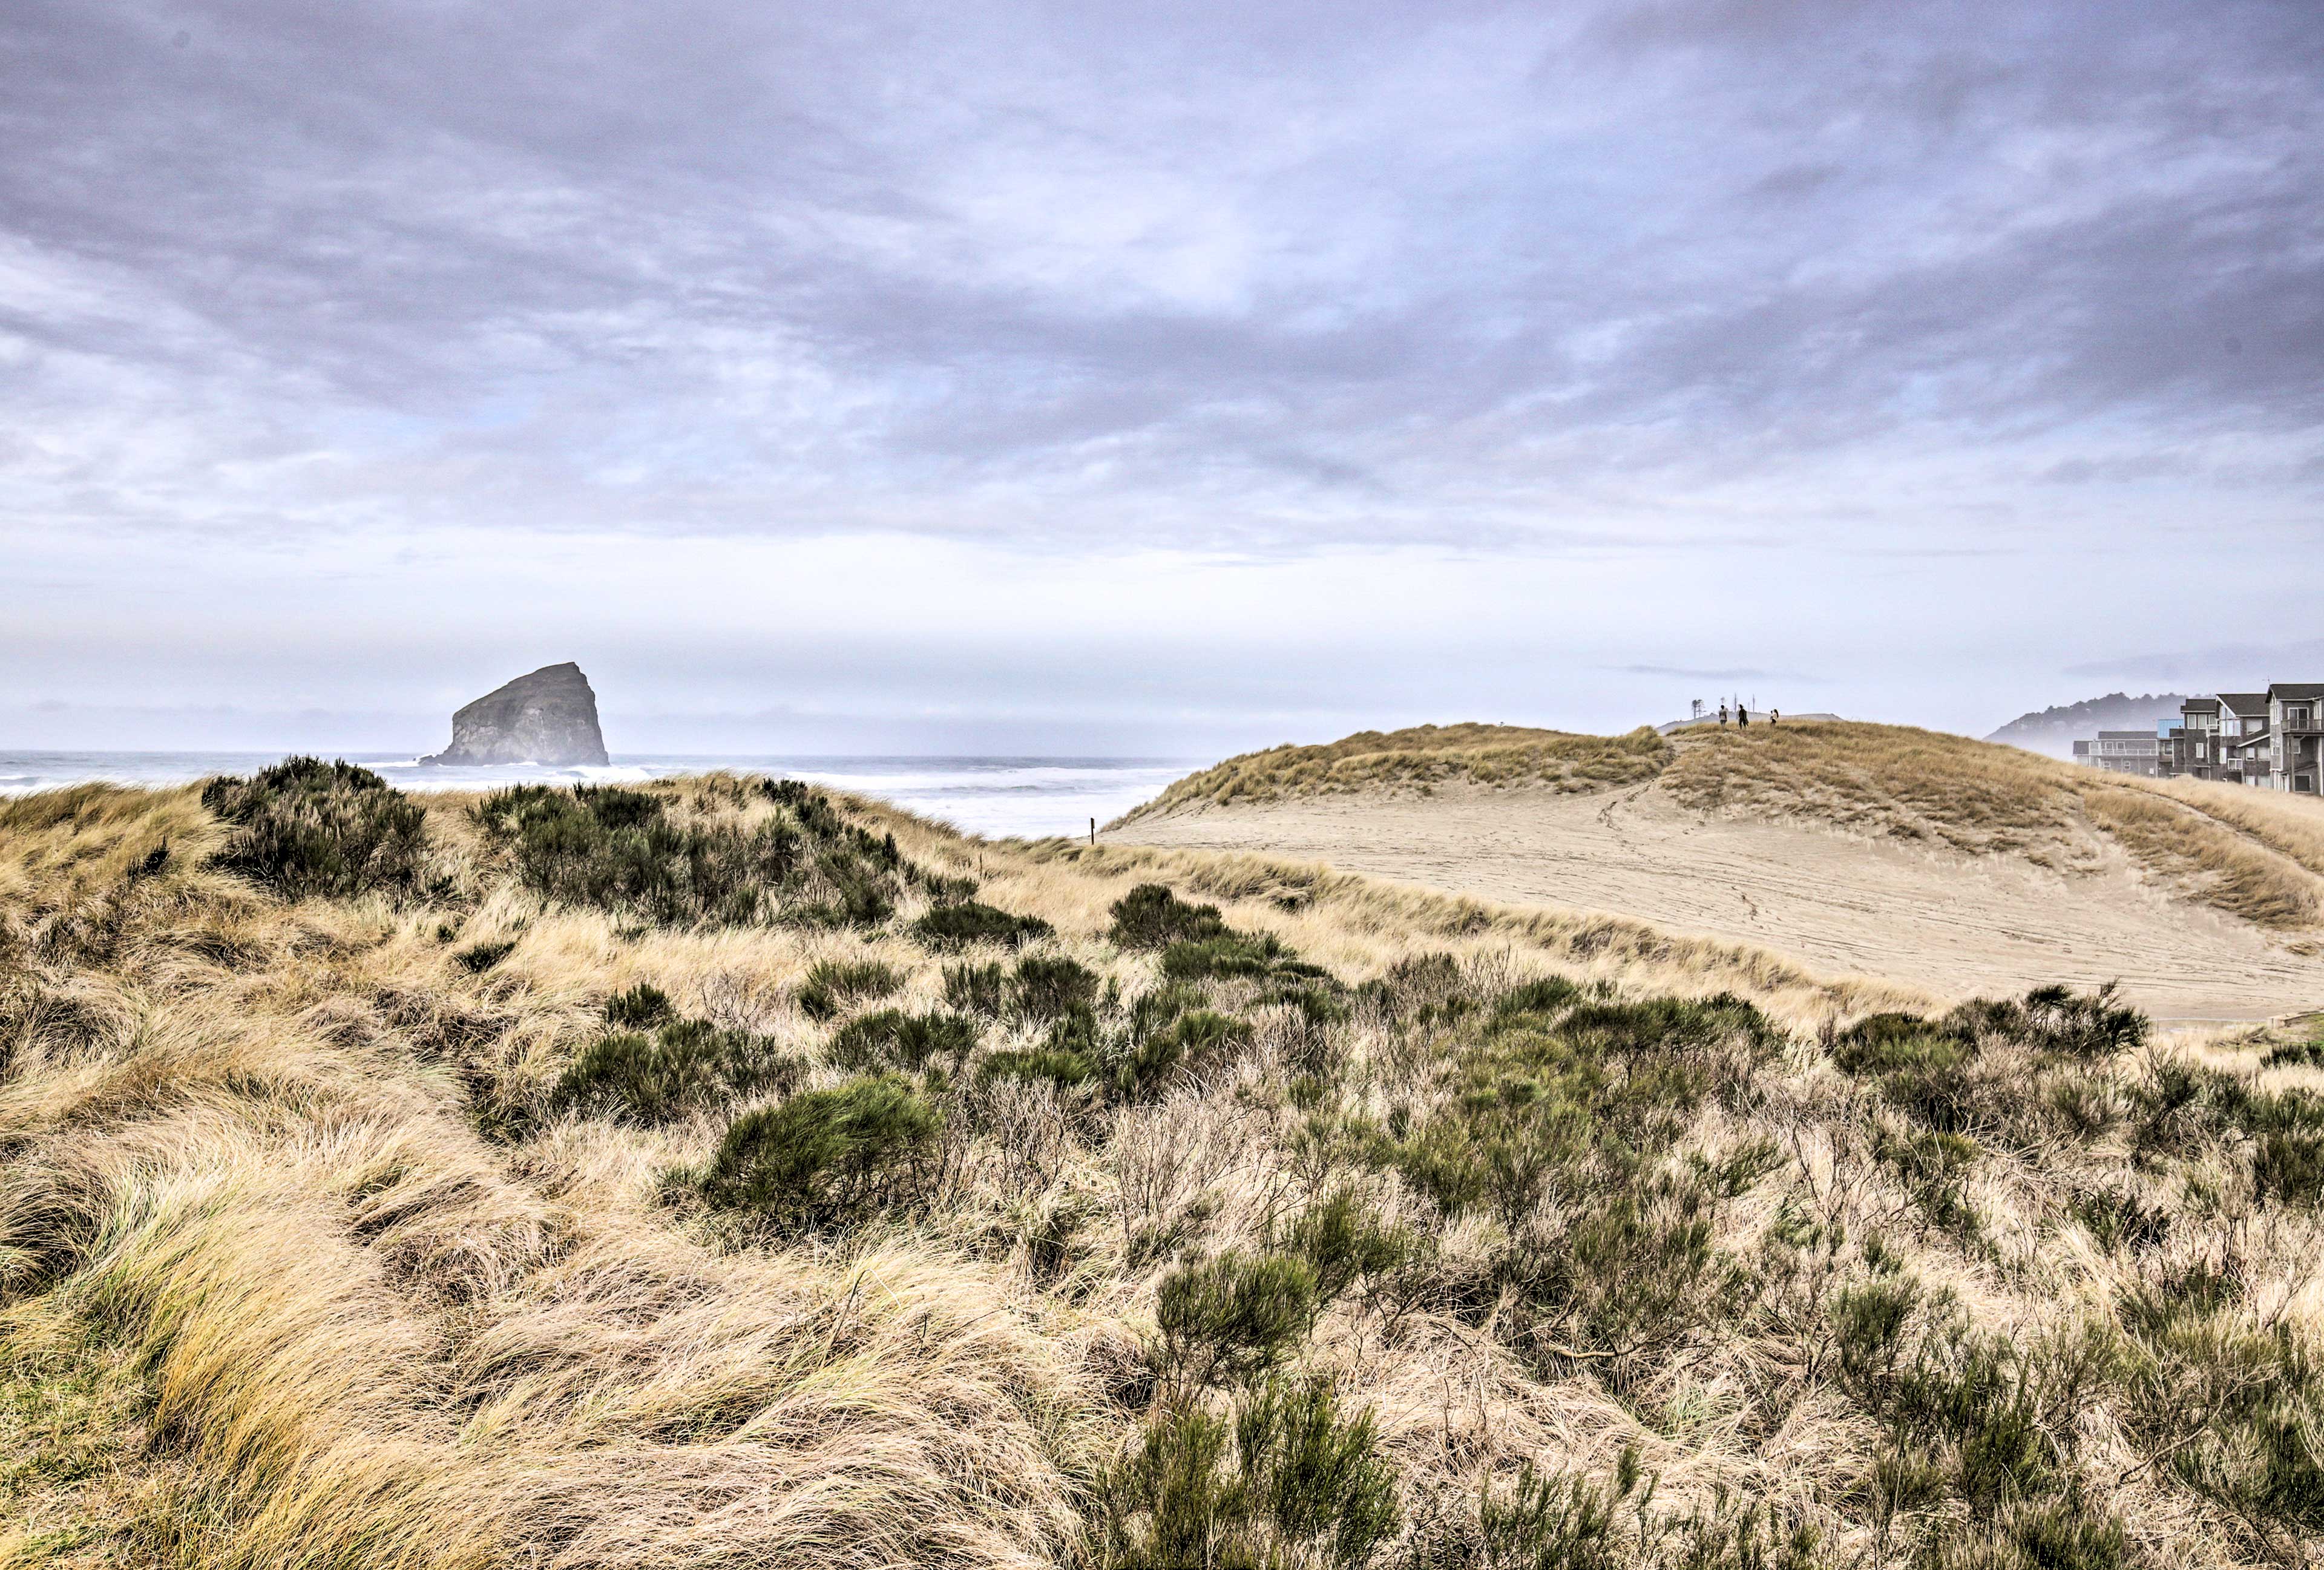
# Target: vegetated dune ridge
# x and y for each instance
(721, 1174)
(1951, 865)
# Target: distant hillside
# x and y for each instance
(2053, 731)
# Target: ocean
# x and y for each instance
(999, 798)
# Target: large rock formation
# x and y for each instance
(549, 716)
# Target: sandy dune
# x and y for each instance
(1836, 902)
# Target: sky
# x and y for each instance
(1163, 380)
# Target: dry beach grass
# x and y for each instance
(312, 1253)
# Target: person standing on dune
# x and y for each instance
(1722, 715)
(1742, 716)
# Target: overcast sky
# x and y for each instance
(1167, 379)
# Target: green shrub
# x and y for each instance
(1289, 1482)
(1555, 1519)
(304, 827)
(1156, 1011)
(1062, 1067)
(1669, 1026)
(1046, 987)
(480, 957)
(1926, 1075)
(684, 1067)
(641, 1008)
(976, 989)
(1234, 1316)
(959, 925)
(618, 849)
(892, 1038)
(2120, 1220)
(1151, 917)
(829, 1157)
(1235, 953)
(2308, 1054)
(1197, 1037)
(1343, 1244)
(2054, 1019)
(833, 984)
(1545, 995)
(1637, 1275)
(1418, 991)
(1868, 1321)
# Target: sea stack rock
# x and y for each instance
(549, 716)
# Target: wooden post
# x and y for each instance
(1092, 831)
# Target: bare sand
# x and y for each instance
(1835, 902)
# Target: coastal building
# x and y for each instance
(2192, 746)
(2123, 751)
(2295, 724)
(2273, 740)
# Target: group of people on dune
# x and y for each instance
(1743, 715)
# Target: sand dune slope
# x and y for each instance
(1839, 902)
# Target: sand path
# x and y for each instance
(1837, 902)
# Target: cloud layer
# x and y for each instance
(1800, 297)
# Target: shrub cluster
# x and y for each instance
(827, 1157)
(304, 827)
(969, 921)
(619, 849)
(893, 1039)
(668, 1068)
(833, 984)
(1287, 1478)
(1196, 944)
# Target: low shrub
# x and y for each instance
(1150, 917)
(1259, 956)
(831, 985)
(618, 849)
(306, 828)
(682, 1068)
(1868, 1321)
(892, 1038)
(641, 1008)
(2118, 1220)
(968, 922)
(1045, 987)
(1060, 1067)
(480, 957)
(1556, 1519)
(1235, 1316)
(827, 1157)
(977, 989)
(1196, 1037)
(2054, 1019)
(1289, 1481)
(1418, 991)
(1345, 1245)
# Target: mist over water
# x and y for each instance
(998, 797)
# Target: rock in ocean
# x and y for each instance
(549, 716)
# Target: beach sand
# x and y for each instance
(1836, 902)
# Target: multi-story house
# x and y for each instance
(2295, 726)
(2274, 739)
(2243, 737)
(2191, 746)
(2123, 751)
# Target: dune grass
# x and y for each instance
(1421, 758)
(1412, 1231)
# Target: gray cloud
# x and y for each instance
(1879, 331)
(1327, 276)
(2231, 667)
